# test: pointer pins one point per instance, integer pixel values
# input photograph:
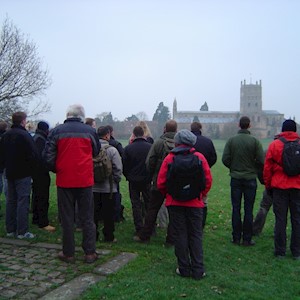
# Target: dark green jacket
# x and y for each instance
(156, 156)
(243, 155)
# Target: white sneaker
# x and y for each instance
(27, 235)
(11, 234)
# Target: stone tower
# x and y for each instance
(174, 108)
(250, 99)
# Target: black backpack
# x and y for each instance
(185, 176)
(291, 157)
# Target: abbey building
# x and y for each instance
(218, 124)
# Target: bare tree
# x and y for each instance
(142, 116)
(21, 74)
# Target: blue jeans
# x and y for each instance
(284, 200)
(17, 205)
(240, 188)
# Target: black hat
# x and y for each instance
(289, 125)
(43, 126)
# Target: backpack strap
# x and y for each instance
(282, 139)
(110, 179)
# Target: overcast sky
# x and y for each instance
(126, 56)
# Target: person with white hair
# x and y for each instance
(69, 151)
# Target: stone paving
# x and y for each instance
(33, 271)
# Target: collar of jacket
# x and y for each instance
(246, 131)
(139, 139)
(41, 132)
(289, 135)
(104, 142)
(196, 133)
(169, 135)
(73, 120)
(18, 126)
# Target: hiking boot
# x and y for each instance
(49, 228)
(27, 235)
(90, 258)
(64, 258)
(248, 243)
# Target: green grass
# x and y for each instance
(233, 272)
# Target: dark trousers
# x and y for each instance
(139, 196)
(40, 199)
(240, 188)
(104, 208)
(156, 201)
(118, 208)
(284, 200)
(187, 225)
(262, 213)
(67, 197)
(17, 205)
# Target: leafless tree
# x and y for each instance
(22, 76)
(142, 116)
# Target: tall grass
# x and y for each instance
(233, 272)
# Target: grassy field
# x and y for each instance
(233, 272)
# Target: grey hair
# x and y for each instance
(76, 111)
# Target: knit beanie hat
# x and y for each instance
(289, 125)
(185, 137)
(43, 126)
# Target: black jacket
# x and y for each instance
(134, 157)
(18, 153)
(1, 134)
(113, 142)
(205, 146)
(40, 139)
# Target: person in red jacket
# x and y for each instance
(285, 191)
(69, 150)
(186, 216)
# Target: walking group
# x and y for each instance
(172, 172)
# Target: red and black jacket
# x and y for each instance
(69, 151)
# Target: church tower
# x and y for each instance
(250, 99)
(174, 109)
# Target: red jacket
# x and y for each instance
(274, 176)
(69, 150)
(162, 182)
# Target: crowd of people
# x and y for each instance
(159, 176)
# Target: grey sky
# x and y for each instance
(127, 56)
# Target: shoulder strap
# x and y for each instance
(282, 139)
(105, 146)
